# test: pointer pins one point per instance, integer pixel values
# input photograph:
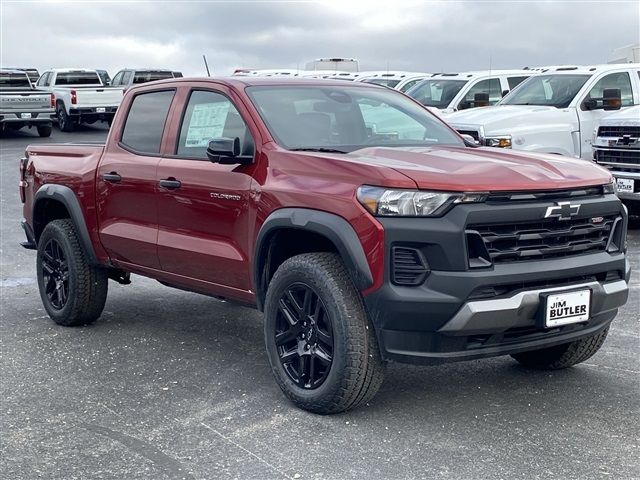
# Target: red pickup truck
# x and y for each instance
(365, 228)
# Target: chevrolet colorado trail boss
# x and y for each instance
(363, 227)
(21, 105)
(81, 96)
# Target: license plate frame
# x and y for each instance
(625, 185)
(25, 116)
(577, 301)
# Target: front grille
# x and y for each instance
(618, 131)
(408, 266)
(619, 160)
(545, 195)
(474, 133)
(544, 239)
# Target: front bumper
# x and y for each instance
(452, 316)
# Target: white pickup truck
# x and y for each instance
(553, 112)
(616, 146)
(445, 93)
(80, 96)
(21, 105)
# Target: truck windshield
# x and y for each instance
(14, 80)
(78, 78)
(385, 82)
(144, 77)
(436, 92)
(546, 90)
(343, 119)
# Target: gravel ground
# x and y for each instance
(172, 385)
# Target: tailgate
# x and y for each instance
(99, 97)
(25, 102)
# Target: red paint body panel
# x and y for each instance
(202, 236)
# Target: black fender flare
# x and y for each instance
(67, 197)
(335, 228)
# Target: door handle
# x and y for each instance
(111, 177)
(170, 183)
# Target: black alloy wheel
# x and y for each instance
(304, 336)
(55, 271)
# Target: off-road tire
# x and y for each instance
(87, 283)
(44, 130)
(563, 356)
(65, 122)
(357, 370)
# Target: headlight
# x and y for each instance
(500, 142)
(411, 203)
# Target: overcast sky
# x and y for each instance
(398, 35)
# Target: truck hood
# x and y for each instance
(506, 119)
(483, 169)
(627, 116)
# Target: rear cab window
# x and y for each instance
(14, 80)
(77, 78)
(144, 125)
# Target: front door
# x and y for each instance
(204, 207)
(589, 118)
(126, 192)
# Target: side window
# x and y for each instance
(490, 86)
(515, 81)
(126, 77)
(43, 81)
(211, 115)
(410, 84)
(145, 121)
(116, 79)
(619, 80)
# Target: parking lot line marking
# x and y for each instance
(235, 444)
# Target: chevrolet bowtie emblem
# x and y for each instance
(563, 211)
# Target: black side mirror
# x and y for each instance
(481, 99)
(504, 92)
(226, 151)
(611, 99)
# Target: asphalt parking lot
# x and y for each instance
(172, 385)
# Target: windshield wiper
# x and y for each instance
(316, 149)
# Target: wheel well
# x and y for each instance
(45, 212)
(283, 244)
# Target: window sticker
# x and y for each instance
(207, 122)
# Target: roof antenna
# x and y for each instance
(206, 65)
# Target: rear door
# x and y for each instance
(204, 208)
(126, 181)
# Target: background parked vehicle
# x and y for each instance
(80, 96)
(627, 54)
(32, 73)
(616, 146)
(134, 76)
(450, 92)
(553, 112)
(392, 79)
(22, 106)
(335, 64)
